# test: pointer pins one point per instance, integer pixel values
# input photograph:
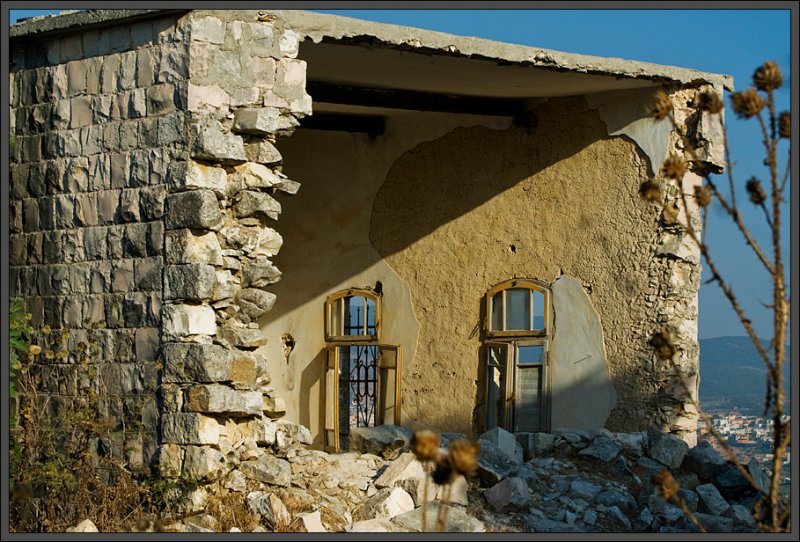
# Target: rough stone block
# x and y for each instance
(251, 203)
(194, 209)
(199, 176)
(213, 143)
(190, 362)
(147, 343)
(182, 246)
(258, 121)
(268, 469)
(711, 502)
(262, 152)
(665, 448)
(208, 97)
(388, 503)
(192, 281)
(160, 99)
(202, 463)
(243, 337)
(171, 129)
(181, 320)
(254, 302)
(151, 203)
(220, 399)
(274, 407)
(508, 495)
(134, 241)
(169, 459)
(207, 29)
(254, 175)
(189, 428)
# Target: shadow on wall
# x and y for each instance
(343, 209)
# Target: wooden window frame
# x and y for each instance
(502, 287)
(330, 305)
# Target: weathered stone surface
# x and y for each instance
(268, 469)
(255, 302)
(584, 489)
(287, 186)
(310, 522)
(253, 241)
(262, 152)
(259, 273)
(182, 246)
(759, 475)
(620, 499)
(665, 448)
(181, 320)
(711, 502)
(633, 443)
(260, 121)
(493, 464)
(374, 440)
(203, 463)
(664, 510)
(220, 399)
(388, 503)
(535, 444)
(271, 508)
(603, 448)
(169, 459)
(509, 495)
(193, 209)
(741, 515)
(274, 407)
(255, 175)
(187, 362)
(193, 282)
(189, 428)
(689, 497)
(199, 176)
(404, 467)
(243, 337)
(704, 461)
(207, 29)
(506, 442)
(459, 491)
(250, 203)
(457, 520)
(213, 143)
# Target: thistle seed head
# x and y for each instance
(674, 167)
(425, 445)
(709, 101)
(768, 76)
(747, 103)
(463, 456)
(443, 472)
(756, 191)
(650, 191)
(703, 195)
(667, 483)
(660, 106)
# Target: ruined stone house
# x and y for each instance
(283, 216)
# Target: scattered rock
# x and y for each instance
(506, 442)
(388, 503)
(711, 502)
(376, 440)
(665, 448)
(704, 461)
(509, 495)
(494, 464)
(268, 469)
(457, 520)
(85, 526)
(603, 448)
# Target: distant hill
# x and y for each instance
(732, 375)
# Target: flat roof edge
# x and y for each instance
(63, 24)
(318, 26)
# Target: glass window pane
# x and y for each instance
(538, 310)
(370, 316)
(354, 315)
(497, 312)
(528, 404)
(518, 309)
(530, 355)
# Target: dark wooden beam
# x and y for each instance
(412, 100)
(343, 122)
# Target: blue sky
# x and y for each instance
(732, 42)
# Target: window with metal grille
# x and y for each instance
(362, 386)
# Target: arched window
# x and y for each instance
(517, 333)
(362, 382)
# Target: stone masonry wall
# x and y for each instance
(142, 200)
(98, 117)
(245, 89)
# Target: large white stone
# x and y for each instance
(209, 29)
(311, 523)
(220, 399)
(388, 503)
(459, 491)
(255, 175)
(208, 177)
(181, 320)
(404, 467)
(85, 526)
(182, 246)
(203, 463)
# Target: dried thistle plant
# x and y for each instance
(425, 445)
(772, 514)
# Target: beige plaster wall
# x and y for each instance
(439, 213)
